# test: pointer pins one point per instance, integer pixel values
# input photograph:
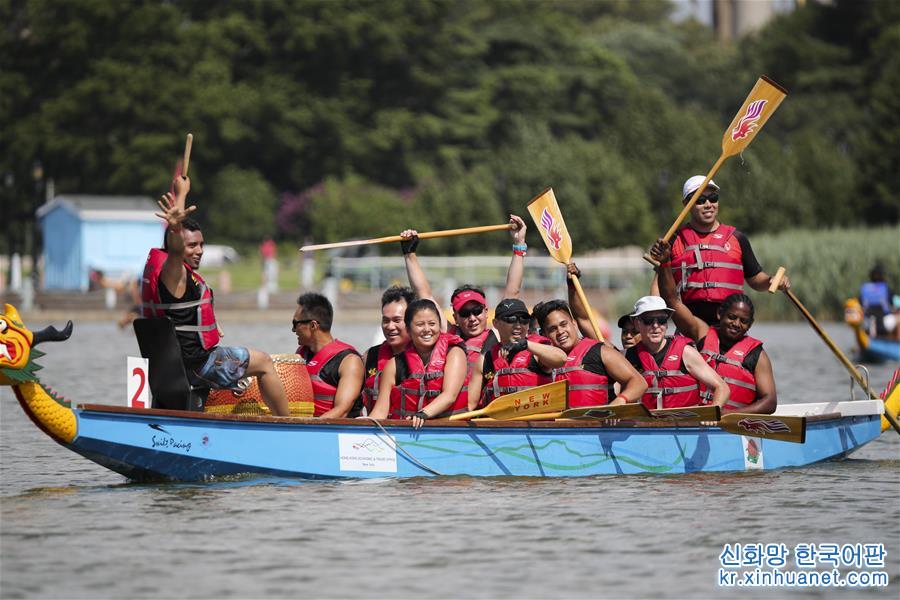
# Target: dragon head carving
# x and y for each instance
(17, 344)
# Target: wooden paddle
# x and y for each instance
(549, 398)
(396, 238)
(187, 154)
(601, 412)
(687, 413)
(545, 212)
(770, 427)
(773, 286)
(762, 101)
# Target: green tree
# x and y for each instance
(241, 206)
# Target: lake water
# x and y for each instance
(70, 528)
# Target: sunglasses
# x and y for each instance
(513, 319)
(712, 198)
(648, 321)
(465, 313)
(296, 322)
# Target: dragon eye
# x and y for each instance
(3, 326)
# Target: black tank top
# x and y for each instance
(192, 353)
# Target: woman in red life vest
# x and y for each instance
(591, 367)
(430, 372)
(738, 358)
(393, 306)
(672, 366)
(518, 362)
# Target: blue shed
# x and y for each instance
(109, 233)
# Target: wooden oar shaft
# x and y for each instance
(594, 324)
(396, 238)
(187, 154)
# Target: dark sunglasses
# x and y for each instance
(513, 319)
(713, 198)
(296, 322)
(648, 321)
(465, 313)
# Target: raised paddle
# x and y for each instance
(773, 286)
(549, 398)
(187, 154)
(545, 213)
(396, 238)
(762, 101)
(771, 427)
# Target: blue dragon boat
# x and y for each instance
(154, 444)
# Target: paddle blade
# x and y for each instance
(627, 412)
(762, 101)
(549, 398)
(770, 427)
(546, 215)
(687, 413)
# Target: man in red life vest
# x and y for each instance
(469, 303)
(711, 260)
(172, 287)
(393, 307)
(672, 367)
(518, 362)
(335, 368)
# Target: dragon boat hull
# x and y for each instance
(880, 350)
(147, 444)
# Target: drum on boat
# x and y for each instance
(291, 368)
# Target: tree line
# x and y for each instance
(333, 119)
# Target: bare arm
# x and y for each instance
(703, 373)
(385, 383)
(476, 381)
(632, 384)
(548, 356)
(766, 397)
(454, 376)
(579, 310)
(690, 325)
(350, 384)
(761, 281)
(173, 274)
(516, 271)
(417, 279)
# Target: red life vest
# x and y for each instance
(585, 387)
(669, 385)
(515, 376)
(152, 306)
(420, 384)
(729, 366)
(323, 393)
(707, 268)
(376, 358)
(472, 345)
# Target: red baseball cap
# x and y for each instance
(465, 296)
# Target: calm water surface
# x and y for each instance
(70, 528)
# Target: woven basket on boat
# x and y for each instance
(291, 368)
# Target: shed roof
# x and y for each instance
(99, 208)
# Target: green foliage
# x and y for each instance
(243, 206)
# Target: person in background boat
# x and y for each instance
(172, 287)
(671, 366)
(591, 367)
(469, 303)
(393, 306)
(335, 368)
(430, 372)
(711, 260)
(876, 299)
(518, 362)
(739, 359)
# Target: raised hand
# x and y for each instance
(572, 270)
(661, 251)
(518, 229)
(173, 212)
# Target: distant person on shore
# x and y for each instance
(876, 299)
(469, 303)
(711, 260)
(518, 362)
(268, 251)
(335, 368)
(737, 358)
(430, 372)
(172, 287)
(393, 308)
(672, 366)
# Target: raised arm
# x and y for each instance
(705, 374)
(383, 403)
(690, 325)
(516, 271)
(579, 310)
(350, 382)
(173, 274)
(417, 280)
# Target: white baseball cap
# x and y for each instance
(649, 304)
(690, 186)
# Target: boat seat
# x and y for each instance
(168, 380)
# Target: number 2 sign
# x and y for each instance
(138, 390)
